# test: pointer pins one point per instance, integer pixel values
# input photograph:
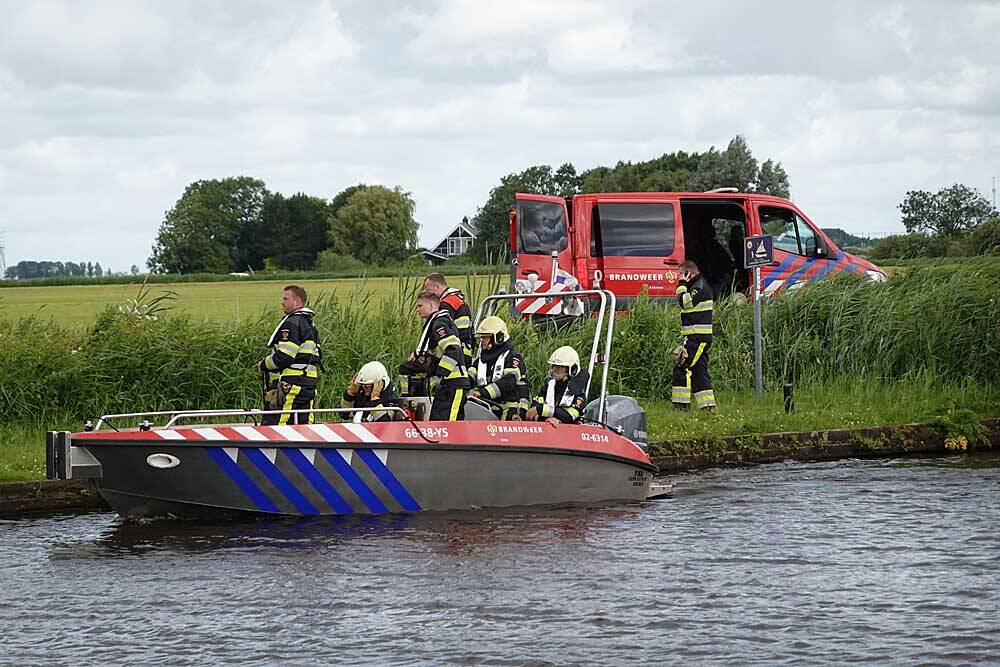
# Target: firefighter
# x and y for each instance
(691, 377)
(439, 357)
(564, 395)
(498, 371)
(454, 302)
(370, 388)
(291, 369)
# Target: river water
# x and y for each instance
(894, 562)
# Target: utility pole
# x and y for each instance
(994, 194)
(3, 258)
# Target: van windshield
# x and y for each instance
(541, 227)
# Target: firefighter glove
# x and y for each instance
(377, 388)
(352, 389)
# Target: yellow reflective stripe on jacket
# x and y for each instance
(447, 342)
(696, 329)
(463, 322)
(702, 307)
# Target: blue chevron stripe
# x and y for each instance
(392, 484)
(309, 471)
(779, 270)
(830, 263)
(279, 480)
(808, 264)
(353, 480)
(242, 480)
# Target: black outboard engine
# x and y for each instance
(624, 415)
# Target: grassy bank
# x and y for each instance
(858, 354)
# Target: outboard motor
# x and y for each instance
(623, 414)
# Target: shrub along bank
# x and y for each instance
(934, 329)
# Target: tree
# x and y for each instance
(772, 180)
(950, 212)
(735, 167)
(201, 232)
(375, 225)
(134, 270)
(98, 271)
(90, 269)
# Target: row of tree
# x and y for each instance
(671, 172)
(956, 221)
(236, 224)
(28, 269)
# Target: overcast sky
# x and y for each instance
(108, 110)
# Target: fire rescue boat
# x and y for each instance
(192, 467)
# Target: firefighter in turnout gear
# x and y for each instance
(691, 376)
(564, 395)
(498, 372)
(439, 358)
(370, 388)
(453, 301)
(291, 369)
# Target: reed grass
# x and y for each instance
(903, 347)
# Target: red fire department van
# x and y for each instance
(625, 242)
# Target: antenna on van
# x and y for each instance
(723, 190)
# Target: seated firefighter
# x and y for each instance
(498, 371)
(564, 396)
(370, 388)
(437, 361)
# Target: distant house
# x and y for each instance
(455, 243)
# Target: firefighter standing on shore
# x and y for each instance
(691, 376)
(291, 369)
(498, 371)
(439, 357)
(453, 301)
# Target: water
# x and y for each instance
(895, 562)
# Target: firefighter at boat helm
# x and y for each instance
(439, 358)
(454, 302)
(691, 358)
(291, 369)
(370, 388)
(498, 371)
(564, 395)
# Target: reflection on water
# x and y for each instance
(885, 561)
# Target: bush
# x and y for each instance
(985, 239)
(910, 246)
(328, 262)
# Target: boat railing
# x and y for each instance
(177, 415)
(608, 306)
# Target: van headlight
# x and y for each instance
(876, 276)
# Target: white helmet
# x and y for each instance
(566, 356)
(493, 326)
(373, 372)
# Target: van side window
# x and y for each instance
(541, 227)
(635, 230)
(780, 224)
(791, 233)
